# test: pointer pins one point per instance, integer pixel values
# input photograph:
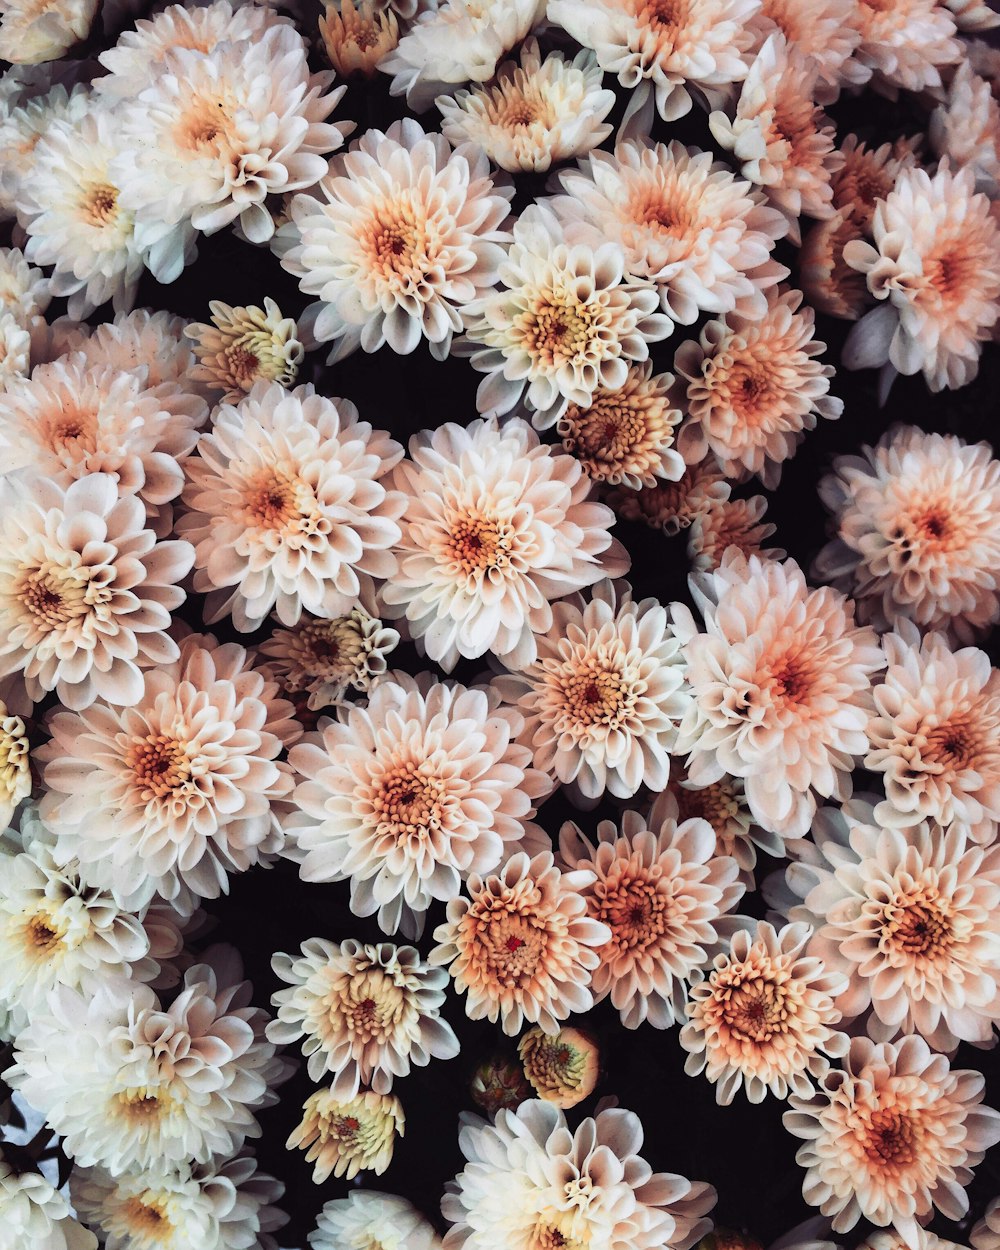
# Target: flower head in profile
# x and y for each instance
(32, 33)
(824, 32)
(965, 128)
(561, 1069)
(723, 804)
(986, 1233)
(243, 346)
(35, 1214)
(673, 506)
(344, 1136)
(356, 39)
(906, 44)
(366, 1219)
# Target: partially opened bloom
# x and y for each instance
(673, 506)
(731, 524)
(893, 1136)
(24, 290)
(35, 1214)
(243, 346)
(140, 340)
(31, 33)
(344, 1136)
(663, 893)
(824, 32)
(367, 1219)
(561, 1069)
(906, 44)
(356, 39)
(15, 769)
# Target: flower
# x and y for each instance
(35, 1214)
(566, 321)
(723, 804)
(366, 1219)
(24, 290)
(893, 1136)
(735, 523)
(31, 33)
(966, 128)
(402, 235)
(15, 351)
(916, 523)
(602, 701)
(499, 1082)
(910, 917)
(287, 507)
(15, 769)
(752, 387)
(366, 1012)
(530, 1181)
(906, 44)
(562, 1069)
(972, 15)
(24, 126)
(244, 346)
(935, 260)
(409, 795)
(345, 1136)
(672, 506)
(685, 222)
(823, 31)
(781, 686)
(85, 590)
(662, 893)
(763, 1018)
(536, 112)
(183, 787)
(356, 39)
(829, 282)
(150, 341)
(497, 525)
(986, 1234)
(521, 946)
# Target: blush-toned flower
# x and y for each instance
(243, 346)
(288, 507)
(626, 436)
(522, 945)
(916, 520)
(986, 1233)
(829, 282)
(408, 795)
(893, 1136)
(965, 128)
(24, 290)
(538, 110)
(763, 1018)
(32, 32)
(402, 235)
(15, 352)
(357, 39)
(672, 506)
(86, 591)
(153, 342)
(344, 1136)
(367, 1219)
(562, 1069)
(825, 32)
(366, 1013)
(496, 526)
(906, 44)
(530, 1181)
(781, 688)
(868, 175)
(733, 523)
(35, 1214)
(752, 387)
(23, 127)
(723, 804)
(662, 894)
(15, 768)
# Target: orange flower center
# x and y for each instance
(141, 1104)
(478, 542)
(754, 1010)
(633, 907)
(243, 366)
(41, 934)
(955, 744)
(203, 126)
(52, 597)
(509, 946)
(889, 1137)
(560, 330)
(917, 923)
(593, 695)
(146, 1217)
(159, 764)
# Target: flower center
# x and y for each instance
(916, 923)
(791, 681)
(557, 1230)
(160, 765)
(519, 112)
(755, 1011)
(202, 127)
(410, 806)
(141, 1104)
(634, 909)
(53, 596)
(477, 543)
(592, 695)
(43, 933)
(511, 946)
(242, 364)
(955, 744)
(100, 204)
(888, 1137)
(560, 330)
(607, 431)
(146, 1216)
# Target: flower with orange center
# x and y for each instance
(893, 1136)
(662, 894)
(823, 31)
(781, 685)
(906, 43)
(737, 523)
(356, 39)
(917, 525)
(243, 346)
(522, 946)
(763, 1018)
(672, 506)
(344, 1136)
(562, 1069)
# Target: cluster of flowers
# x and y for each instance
(160, 477)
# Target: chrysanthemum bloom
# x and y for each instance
(892, 1137)
(15, 770)
(531, 1182)
(986, 1234)
(33, 31)
(966, 128)
(409, 795)
(784, 141)
(906, 44)
(781, 684)
(562, 1069)
(686, 223)
(86, 591)
(538, 111)
(763, 1019)
(15, 352)
(602, 700)
(288, 507)
(662, 893)
(150, 341)
(499, 1082)
(522, 946)
(243, 346)
(823, 31)
(566, 321)
(356, 39)
(911, 917)
(735, 523)
(149, 1089)
(220, 1206)
(752, 387)
(672, 506)
(346, 1136)
(972, 16)
(24, 290)
(890, 1239)
(366, 1219)
(25, 125)
(457, 42)
(869, 175)
(183, 787)
(497, 525)
(724, 805)
(366, 1013)
(403, 234)
(916, 521)
(936, 260)
(35, 1214)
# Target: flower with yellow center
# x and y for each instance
(15, 767)
(673, 506)
(356, 39)
(243, 346)
(562, 1069)
(733, 523)
(346, 1136)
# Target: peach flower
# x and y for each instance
(986, 1234)
(344, 1136)
(723, 804)
(356, 39)
(562, 1069)
(823, 31)
(736, 523)
(906, 43)
(243, 346)
(966, 128)
(672, 506)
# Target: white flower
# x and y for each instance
(140, 340)
(24, 290)
(22, 128)
(33, 32)
(15, 770)
(15, 352)
(33, 1214)
(366, 1219)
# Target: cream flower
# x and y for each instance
(366, 1013)
(686, 223)
(966, 128)
(752, 387)
(522, 947)
(175, 792)
(893, 1136)
(824, 32)
(243, 346)
(723, 804)
(24, 290)
(411, 794)
(15, 352)
(356, 39)
(565, 322)
(602, 700)
(763, 1017)
(733, 523)
(25, 125)
(986, 1234)
(35, 1214)
(530, 1181)
(672, 506)
(15, 769)
(497, 525)
(34, 31)
(366, 1220)
(662, 893)
(562, 1069)
(537, 111)
(781, 686)
(86, 591)
(973, 15)
(917, 532)
(401, 236)
(936, 260)
(139, 340)
(906, 43)
(345, 1136)
(288, 509)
